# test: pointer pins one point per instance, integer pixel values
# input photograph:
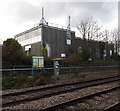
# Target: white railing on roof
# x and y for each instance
(52, 25)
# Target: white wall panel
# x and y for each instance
(30, 37)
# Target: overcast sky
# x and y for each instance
(19, 15)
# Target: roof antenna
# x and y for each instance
(68, 27)
(43, 21)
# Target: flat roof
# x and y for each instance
(29, 30)
(39, 26)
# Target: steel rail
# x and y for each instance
(55, 86)
(73, 101)
(55, 93)
(113, 107)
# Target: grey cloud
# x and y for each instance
(77, 10)
(25, 12)
(81, 10)
(94, 9)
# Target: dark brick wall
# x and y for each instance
(57, 39)
(93, 46)
(36, 49)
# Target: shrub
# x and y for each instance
(42, 77)
(73, 59)
(11, 82)
(40, 81)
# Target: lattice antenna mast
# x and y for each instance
(43, 21)
(42, 13)
(68, 34)
(69, 27)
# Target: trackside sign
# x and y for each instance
(37, 61)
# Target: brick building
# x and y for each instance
(55, 40)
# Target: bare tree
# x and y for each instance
(116, 41)
(89, 29)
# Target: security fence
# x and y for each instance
(62, 70)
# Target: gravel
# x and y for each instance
(46, 102)
(99, 102)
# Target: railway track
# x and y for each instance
(62, 106)
(59, 105)
(55, 86)
(113, 107)
(30, 95)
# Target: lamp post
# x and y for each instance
(90, 59)
(63, 56)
